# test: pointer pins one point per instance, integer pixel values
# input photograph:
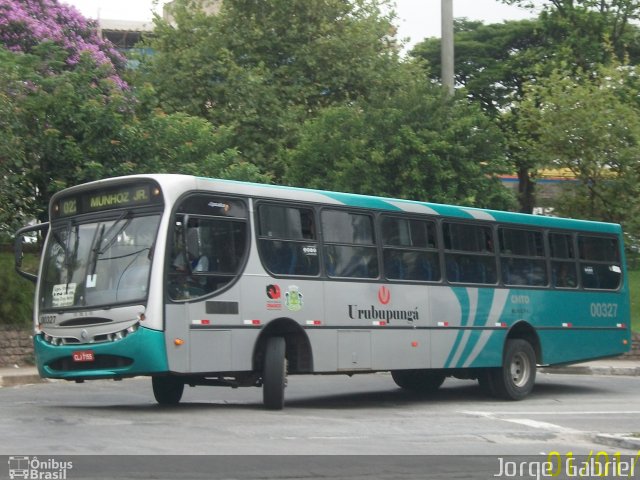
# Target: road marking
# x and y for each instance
(550, 427)
(572, 412)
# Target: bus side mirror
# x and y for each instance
(31, 240)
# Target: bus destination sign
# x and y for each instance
(105, 199)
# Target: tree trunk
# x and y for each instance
(526, 190)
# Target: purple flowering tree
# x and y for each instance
(26, 24)
(63, 105)
(67, 118)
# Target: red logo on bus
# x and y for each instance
(273, 292)
(384, 295)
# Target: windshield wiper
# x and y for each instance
(97, 240)
(99, 237)
(114, 236)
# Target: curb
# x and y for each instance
(16, 379)
(593, 370)
(625, 441)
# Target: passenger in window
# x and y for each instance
(564, 276)
(195, 258)
(488, 242)
(185, 285)
(280, 257)
(307, 225)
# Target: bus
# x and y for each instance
(197, 281)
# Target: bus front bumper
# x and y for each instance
(140, 353)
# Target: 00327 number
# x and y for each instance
(604, 310)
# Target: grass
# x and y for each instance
(634, 292)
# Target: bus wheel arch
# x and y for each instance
(282, 347)
(515, 378)
(524, 331)
(297, 346)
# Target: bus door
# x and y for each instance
(207, 249)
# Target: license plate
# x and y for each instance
(84, 356)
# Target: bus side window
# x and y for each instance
(599, 259)
(349, 245)
(522, 257)
(469, 253)
(287, 240)
(209, 245)
(410, 249)
(564, 273)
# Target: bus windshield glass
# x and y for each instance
(98, 263)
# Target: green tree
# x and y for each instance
(417, 144)
(584, 27)
(62, 127)
(59, 124)
(587, 124)
(156, 142)
(494, 62)
(262, 68)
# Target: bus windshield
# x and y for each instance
(98, 263)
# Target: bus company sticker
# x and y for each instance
(293, 298)
(63, 295)
(275, 297)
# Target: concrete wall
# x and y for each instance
(634, 354)
(16, 347)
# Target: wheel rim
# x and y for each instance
(520, 369)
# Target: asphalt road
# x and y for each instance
(372, 427)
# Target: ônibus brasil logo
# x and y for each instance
(40, 469)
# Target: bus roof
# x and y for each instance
(370, 202)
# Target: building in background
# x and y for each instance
(549, 185)
(127, 34)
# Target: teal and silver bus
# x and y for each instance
(197, 281)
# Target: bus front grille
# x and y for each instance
(101, 362)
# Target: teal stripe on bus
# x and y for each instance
(463, 300)
(381, 203)
(483, 307)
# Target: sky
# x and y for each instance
(417, 19)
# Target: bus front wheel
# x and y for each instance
(515, 379)
(274, 374)
(167, 390)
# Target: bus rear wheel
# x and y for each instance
(515, 379)
(167, 390)
(420, 381)
(274, 374)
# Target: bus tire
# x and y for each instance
(515, 379)
(167, 390)
(420, 381)
(274, 374)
